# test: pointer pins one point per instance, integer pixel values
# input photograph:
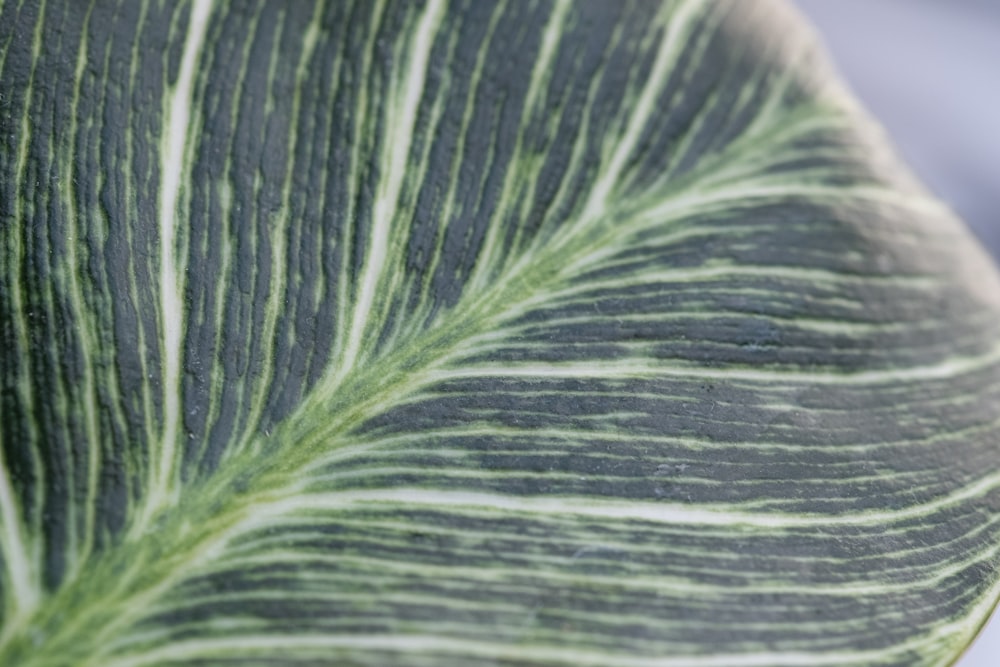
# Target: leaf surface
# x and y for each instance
(477, 333)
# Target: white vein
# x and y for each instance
(676, 514)
(420, 643)
(174, 142)
(672, 43)
(19, 568)
(643, 367)
(89, 393)
(279, 239)
(20, 572)
(490, 251)
(401, 123)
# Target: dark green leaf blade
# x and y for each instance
(477, 334)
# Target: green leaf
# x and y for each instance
(477, 333)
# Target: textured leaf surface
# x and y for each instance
(473, 333)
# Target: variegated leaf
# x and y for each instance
(476, 333)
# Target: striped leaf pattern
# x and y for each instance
(474, 333)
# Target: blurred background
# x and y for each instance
(929, 70)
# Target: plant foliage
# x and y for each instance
(476, 333)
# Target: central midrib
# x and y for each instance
(126, 577)
(183, 536)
